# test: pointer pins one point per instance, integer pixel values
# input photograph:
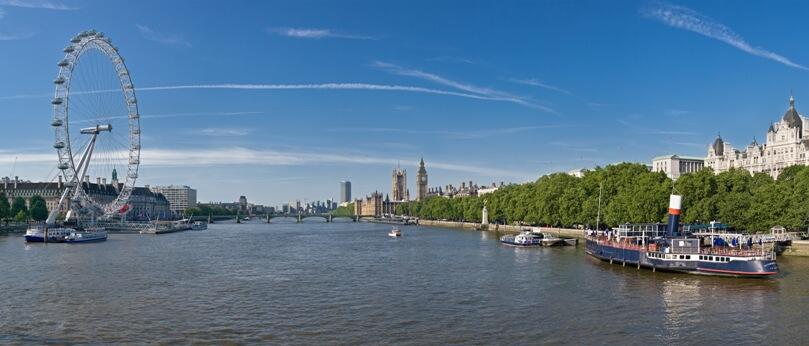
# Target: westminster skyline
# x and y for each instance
(282, 101)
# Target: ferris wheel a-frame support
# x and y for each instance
(75, 184)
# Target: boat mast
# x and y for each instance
(598, 216)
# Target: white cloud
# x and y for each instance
(174, 115)
(6, 36)
(48, 5)
(224, 132)
(687, 19)
(537, 83)
(470, 134)
(487, 92)
(152, 35)
(243, 156)
(311, 33)
(322, 86)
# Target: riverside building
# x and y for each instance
(399, 191)
(180, 197)
(143, 203)
(421, 182)
(674, 165)
(787, 144)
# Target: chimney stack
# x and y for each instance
(104, 181)
(16, 180)
(5, 183)
(98, 181)
(87, 179)
(59, 185)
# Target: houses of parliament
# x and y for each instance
(376, 204)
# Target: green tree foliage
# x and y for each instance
(39, 209)
(631, 193)
(21, 216)
(5, 208)
(206, 209)
(347, 211)
(17, 206)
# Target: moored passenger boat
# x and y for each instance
(86, 235)
(531, 238)
(45, 234)
(663, 247)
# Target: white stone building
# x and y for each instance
(787, 144)
(675, 165)
(180, 197)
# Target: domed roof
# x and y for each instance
(718, 146)
(791, 117)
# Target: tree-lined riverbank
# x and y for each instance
(631, 193)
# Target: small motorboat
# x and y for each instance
(532, 238)
(199, 226)
(395, 233)
(525, 238)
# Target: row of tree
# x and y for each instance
(18, 210)
(347, 211)
(631, 193)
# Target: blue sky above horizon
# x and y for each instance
(282, 100)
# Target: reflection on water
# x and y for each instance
(350, 283)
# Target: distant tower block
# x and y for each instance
(421, 182)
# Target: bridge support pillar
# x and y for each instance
(300, 218)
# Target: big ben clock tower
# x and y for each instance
(421, 182)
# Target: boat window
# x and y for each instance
(710, 258)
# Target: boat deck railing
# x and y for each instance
(754, 251)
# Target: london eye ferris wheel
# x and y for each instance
(96, 124)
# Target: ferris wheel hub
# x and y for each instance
(96, 129)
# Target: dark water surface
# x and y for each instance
(347, 283)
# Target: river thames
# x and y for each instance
(349, 283)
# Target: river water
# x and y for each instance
(349, 283)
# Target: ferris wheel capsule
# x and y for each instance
(69, 49)
(63, 63)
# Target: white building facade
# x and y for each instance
(787, 144)
(674, 165)
(180, 197)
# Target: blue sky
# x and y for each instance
(282, 100)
